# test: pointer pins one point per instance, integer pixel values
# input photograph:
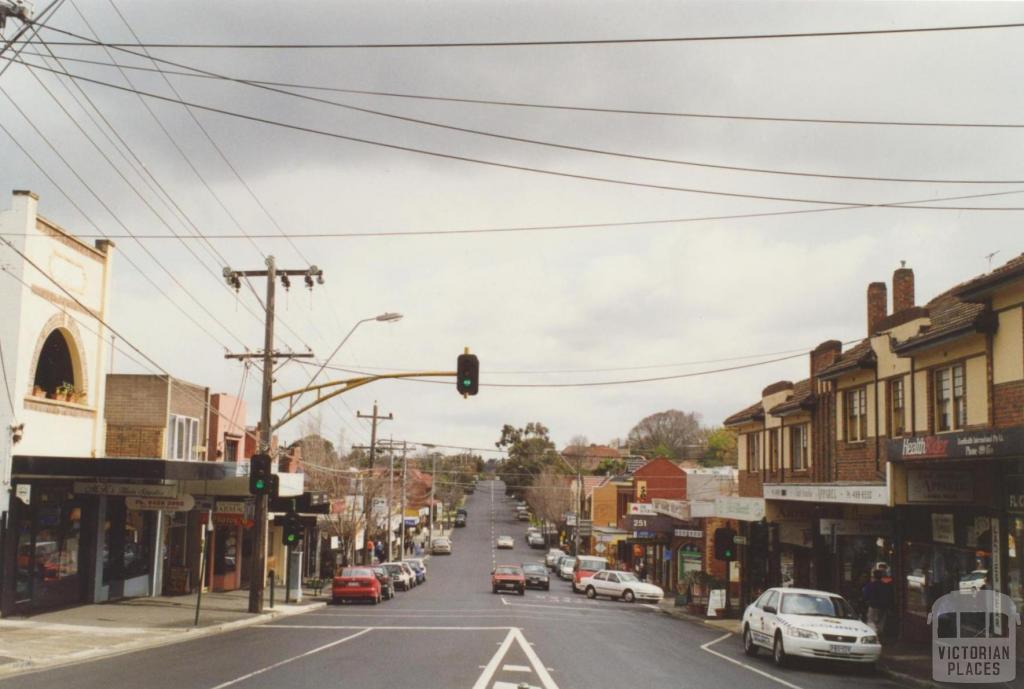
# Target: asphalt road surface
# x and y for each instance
(453, 632)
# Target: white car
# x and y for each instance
(402, 576)
(441, 545)
(505, 542)
(552, 557)
(622, 585)
(565, 567)
(808, 624)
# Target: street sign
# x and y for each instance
(739, 540)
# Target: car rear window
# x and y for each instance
(508, 570)
(593, 563)
(353, 572)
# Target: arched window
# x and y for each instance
(56, 366)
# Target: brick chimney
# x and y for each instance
(878, 302)
(902, 288)
(824, 355)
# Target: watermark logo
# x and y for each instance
(974, 637)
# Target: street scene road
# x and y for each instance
(453, 631)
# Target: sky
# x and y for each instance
(546, 307)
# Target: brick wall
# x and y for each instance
(856, 461)
(136, 400)
(750, 484)
(135, 441)
(1008, 404)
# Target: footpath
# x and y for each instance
(89, 632)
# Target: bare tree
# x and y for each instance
(550, 496)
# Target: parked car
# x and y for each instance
(535, 540)
(418, 567)
(621, 585)
(523, 516)
(441, 545)
(403, 582)
(586, 566)
(461, 511)
(565, 566)
(387, 586)
(508, 578)
(551, 559)
(808, 624)
(504, 542)
(415, 580)
(356, 583)
(536, 576)
(460, 520)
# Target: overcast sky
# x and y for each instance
(637, 296)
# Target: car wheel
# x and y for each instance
(522, 591)
(749, 647)
(628, 596)
(494, 589)
(547, 587)
(574, 589)
(591, 593)
(376, 601)
(779, 652)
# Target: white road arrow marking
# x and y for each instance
(514, 636)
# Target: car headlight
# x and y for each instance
(801, 633)
(870, 639)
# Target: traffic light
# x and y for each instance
(760, 537)
(259, 475)
(274, 483)
(725, 544)
(292, 528)
(467, 376)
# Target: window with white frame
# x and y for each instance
(856, 404)
(798, 447)
(182, 437)
(950, 398)
(897, 408)
(754, 451)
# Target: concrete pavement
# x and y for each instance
(453, 632)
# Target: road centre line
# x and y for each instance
(707, 647)
(293, 658)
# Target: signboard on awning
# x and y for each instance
(680, 509)
(126, 490)
(183, 503)
(740, 509)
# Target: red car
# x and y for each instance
(508, 578)
(356, 583)
(586, 566)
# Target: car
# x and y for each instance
(356, 583)
(805, 623)
(551, 558)
(418, 567)
(399, 575)
(975, 581)
(620, 585)
(504, 542)
(508, 578)
(460, 520)
(585, 566)
(535, 540)
(413, 578)
(536, 576)
(565, 566)
(461, 511)
(523, 516)
(419, 571)
(387, 586)
(441, 545)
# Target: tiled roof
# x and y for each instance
(592, 482)
(850, 359)
(802, 397)
(1014, 268)
(593, 452)
(751, 413)
(949, 316)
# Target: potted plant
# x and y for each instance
(38, 391)
(64, 391)
(78, 396)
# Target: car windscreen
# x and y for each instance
(816, 605)
(625, 577)
(394, 569)
(568, 562)
(508, 570)
(535, 569)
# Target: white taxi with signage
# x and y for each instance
(804, 623)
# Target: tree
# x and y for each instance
(721, 448)
(674, 434)
(550, 496)
(610, 466)
(529, 451)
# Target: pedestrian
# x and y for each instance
(878, 597)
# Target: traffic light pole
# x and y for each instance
(259, 550)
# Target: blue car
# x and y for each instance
(419, 568)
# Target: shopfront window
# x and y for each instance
(127, 542)
(49, 535)
(935, 569)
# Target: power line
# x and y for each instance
(563, 42)
(553, 106)
(553, 144)
(544, 171)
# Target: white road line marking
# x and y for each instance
(385, 628)
(707, 647)
(289, 660)
(516, 668)
(538, 667)
(511, 685)
(503, 601)
(485, 677)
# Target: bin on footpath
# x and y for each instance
(295, 576)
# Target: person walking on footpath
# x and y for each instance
(878, 597)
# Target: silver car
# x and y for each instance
(441, 545)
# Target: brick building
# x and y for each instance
(156, 416)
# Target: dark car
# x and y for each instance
(387, 586)
(536, 576)
(460, 520)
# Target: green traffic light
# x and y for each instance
(291, 537)
(260, 483)
(466, 382)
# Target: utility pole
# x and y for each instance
(579, 503)
(269, 356)
(367, 508)
(401, 548)
(433, 482)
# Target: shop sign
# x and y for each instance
(741, 509)
(977, 444)
(702, 508)
(225, 507)
(855, 527)
(940, 486)
(205, 503)
(997, 562)
(126, 490)
(183, 503)
(796, 533)
(680, 509)
(600, 548)
(1014, 493)
(643, 522)
(942, 528)
(23, 491)
(872, 494)
(688, 533)
(642, 508)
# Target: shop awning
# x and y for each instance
(122, 468)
